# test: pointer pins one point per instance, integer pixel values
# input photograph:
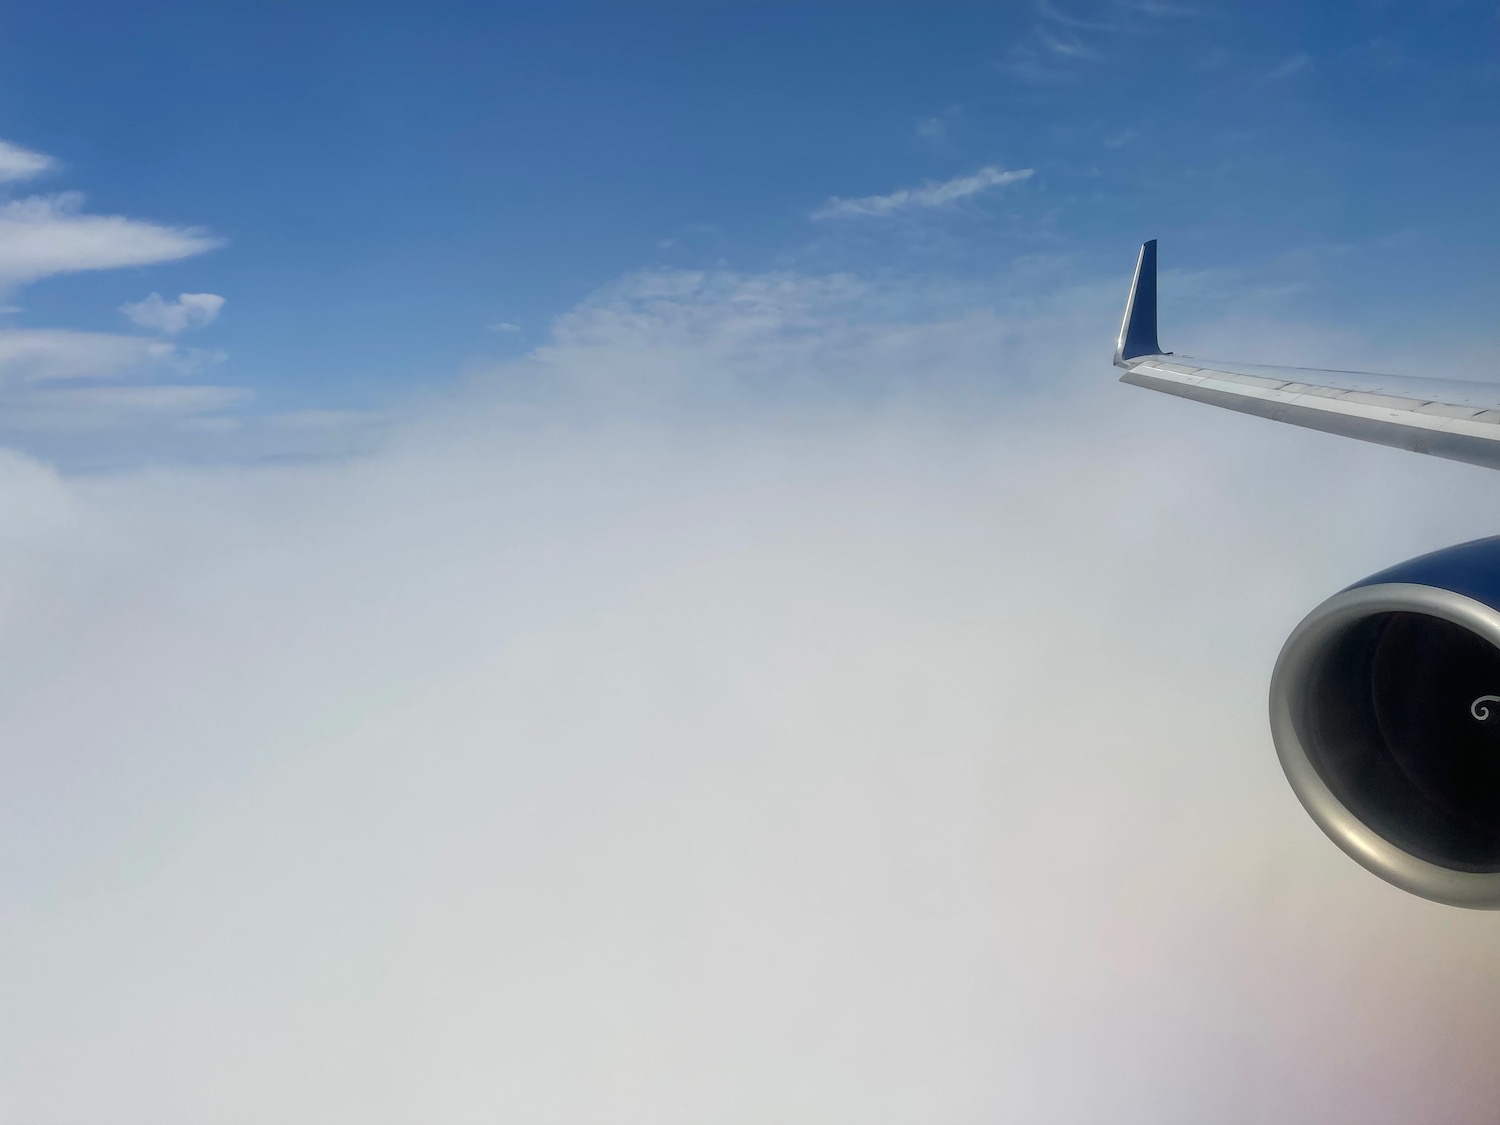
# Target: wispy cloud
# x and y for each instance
(934, 130)
(41, 367)
(38, 355)
(44, 235)
(937, 130)
(1056, 15)
(31, 355)
(1161, 8)
(1289, 67)
(1060, 41)
(324, 420)
(95, 410)
(1025, 62)
(17, 163)
(932, 194)
(1069, 47)
(190, 310)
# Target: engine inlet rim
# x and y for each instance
(1290, 683)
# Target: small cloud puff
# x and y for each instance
(930, 194)
(190, 310)
(938, 129)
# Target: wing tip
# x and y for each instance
(1138, 329)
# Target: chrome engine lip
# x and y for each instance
(1291, 680)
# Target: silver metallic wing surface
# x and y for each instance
(1445, 418)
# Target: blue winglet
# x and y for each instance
(1138, 332)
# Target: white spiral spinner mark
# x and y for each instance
(1482, 713)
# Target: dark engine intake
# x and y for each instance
(1385, 709)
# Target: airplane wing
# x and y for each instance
(1446, 418)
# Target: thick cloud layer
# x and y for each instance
(779, 699)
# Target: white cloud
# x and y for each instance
(17, 163)
(848, 735)
(45, 235)
(503, 326)
(190, 310)
(116, 423)
(91, 410)
(30, 355)
(932, 194)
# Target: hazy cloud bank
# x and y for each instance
(777, 698)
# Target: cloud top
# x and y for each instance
(713, 764)
(840, 743)
(932, 194)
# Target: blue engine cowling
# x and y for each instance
(1385, 710)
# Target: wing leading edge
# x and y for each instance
(1445, 418)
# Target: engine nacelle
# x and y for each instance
(1385, 710)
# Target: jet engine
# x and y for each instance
(1385, 710)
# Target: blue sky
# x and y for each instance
(387, 182)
